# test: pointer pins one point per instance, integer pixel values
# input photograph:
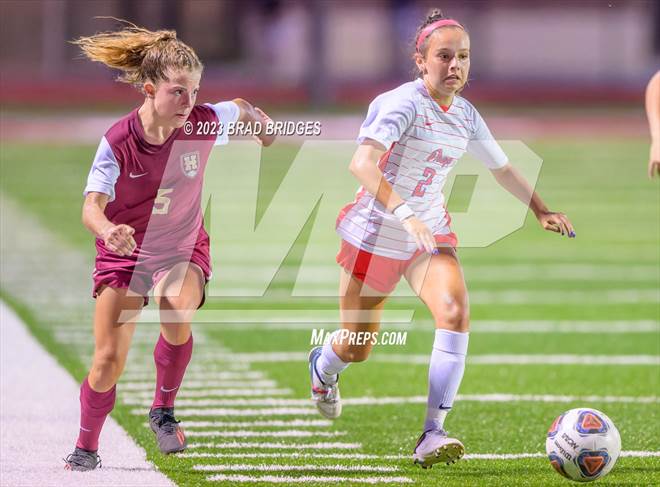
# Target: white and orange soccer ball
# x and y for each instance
(583, 444)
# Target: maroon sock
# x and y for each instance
(94, 408)
(171, 362)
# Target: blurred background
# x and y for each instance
(339, 53)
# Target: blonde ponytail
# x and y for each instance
(140, 54)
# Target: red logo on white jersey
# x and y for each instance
(436, 156)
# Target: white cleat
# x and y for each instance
(326, 398)
(434, 446)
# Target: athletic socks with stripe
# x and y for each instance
(328, 365)
(171, 362)
(94, 408)
(445, 374)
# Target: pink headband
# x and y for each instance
(431, 27)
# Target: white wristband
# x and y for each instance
(403, 212)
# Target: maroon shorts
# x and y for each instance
(140, 275)
(378, 272)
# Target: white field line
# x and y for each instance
(597, 327)
(217, 317)
(216, 384)
(213, 412)
(253, 380)
(517, 456)
(197, 365)
(263, 434)
(87, 338)
(185, 394)
(294, 423)
(586, 272)
(519, 295)
(640, 454)
(539, 296)
(334, 456)
(482, 326)
(277, 479)
(510, 272)
(566, 359)
(143, 360)
(298, 468)
(369, 401)
(193, 372)
(509, 398)
(88, 328)
(279, 445)
(368, 456)
(150, 376)
(504, 359)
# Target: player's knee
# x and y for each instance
(453, 312)
(181, 304)
(108, 362)
(178, 309)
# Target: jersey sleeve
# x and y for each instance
(484, 147)
(104, 172)
(388, 117)
(227, 112)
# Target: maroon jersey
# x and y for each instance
(157, 190)
(159, 187)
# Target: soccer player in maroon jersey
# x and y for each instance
(143, 204)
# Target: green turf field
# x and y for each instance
(594, 298)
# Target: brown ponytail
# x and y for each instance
(140, 54)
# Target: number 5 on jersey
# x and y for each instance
(429, 174)
(162, 201)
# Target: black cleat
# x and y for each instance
(82, 460)
(169, 435)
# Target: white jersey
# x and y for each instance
(424, 142)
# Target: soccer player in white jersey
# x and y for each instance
(398, 226)
(653, 115)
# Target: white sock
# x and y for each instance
(445, 374)
(328, 365)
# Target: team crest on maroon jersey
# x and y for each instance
(190, 163)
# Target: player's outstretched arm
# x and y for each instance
(250, 114)
(364, 166)
(653, 115)
(117, 238)
(510, 179)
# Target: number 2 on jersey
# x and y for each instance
(162, 202)
(429, 174)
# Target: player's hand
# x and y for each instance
(266, 140)
(654, 168)
(556, 222)
(119, 239)
(654, 160)
(421, 233)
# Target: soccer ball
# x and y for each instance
(583, 444)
